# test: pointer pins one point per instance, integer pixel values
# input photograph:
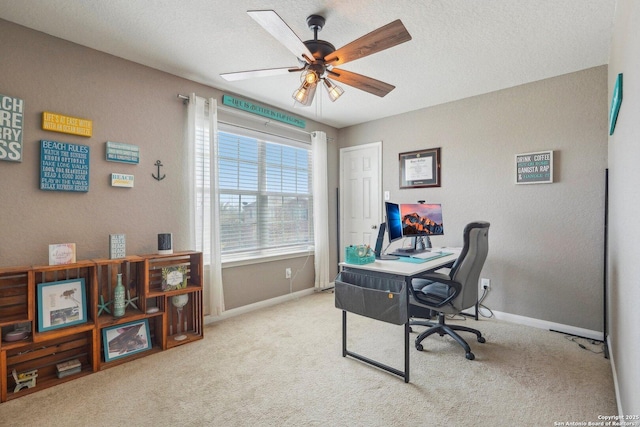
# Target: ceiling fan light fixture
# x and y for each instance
(333, 90)
(310, 77)
(304, 94)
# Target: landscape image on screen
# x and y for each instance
(421, 219)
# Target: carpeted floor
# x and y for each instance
(283, 366)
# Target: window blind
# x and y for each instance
(265, 192)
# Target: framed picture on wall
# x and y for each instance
(420, 168)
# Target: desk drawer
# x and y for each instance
(375, 297)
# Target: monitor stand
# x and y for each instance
(419, 244)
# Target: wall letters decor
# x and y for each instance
(11, 115)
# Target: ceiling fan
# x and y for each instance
(318, 58)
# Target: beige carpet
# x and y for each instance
(283, 366)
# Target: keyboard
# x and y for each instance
(425, 255)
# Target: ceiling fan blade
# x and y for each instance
(274, 25)
(383, 38)
(267, 72)
(361, 82)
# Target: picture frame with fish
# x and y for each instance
(61, 304)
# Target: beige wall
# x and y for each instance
(546, 241)
(128, 103)
(624, 209)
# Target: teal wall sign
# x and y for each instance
(64, 166)
(252, 108)
(121, 152)
(616, 100)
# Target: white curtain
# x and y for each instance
(204, 200)
(320, 209)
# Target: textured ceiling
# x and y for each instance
(459, 48)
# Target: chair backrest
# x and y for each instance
(466, 270)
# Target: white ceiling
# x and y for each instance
(459, 48)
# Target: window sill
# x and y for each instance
(248, 259)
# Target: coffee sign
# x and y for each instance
(534, 168)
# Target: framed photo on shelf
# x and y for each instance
(174, 278)
(61, 304)
(420, 168)
(126, 339)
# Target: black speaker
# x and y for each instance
(164, 244)
(378, 249)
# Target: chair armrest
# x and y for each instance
(439, 278)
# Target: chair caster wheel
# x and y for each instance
(481, 340)
(410, 329)
(470, 356)
(419, 347)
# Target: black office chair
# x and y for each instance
(454, 292)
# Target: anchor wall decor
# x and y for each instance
(158, 164)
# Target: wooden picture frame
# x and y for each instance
(126, 339)
(61, 304)
(420, 168)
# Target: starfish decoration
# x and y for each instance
(103, 306)
(130, 301)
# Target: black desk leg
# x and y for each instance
(372, 362)
(406, 351)
(344, 333)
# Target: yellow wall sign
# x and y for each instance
(66, 124)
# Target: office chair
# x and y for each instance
(453, 292)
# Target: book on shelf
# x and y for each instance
(117, 246)
(62, 374)
(68, 365)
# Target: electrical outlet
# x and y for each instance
(287, 273)
(486, 283)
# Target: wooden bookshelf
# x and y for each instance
(42, 350)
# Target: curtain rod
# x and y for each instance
(185, 100)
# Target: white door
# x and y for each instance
(360, 195)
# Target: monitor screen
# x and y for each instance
(421, 219)
(394, 221)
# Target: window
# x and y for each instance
(265, 193)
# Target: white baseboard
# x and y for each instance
(258, 305)
(544, 324)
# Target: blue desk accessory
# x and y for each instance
(423, 258)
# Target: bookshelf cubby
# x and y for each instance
(42, 350)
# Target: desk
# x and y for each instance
(393, 270)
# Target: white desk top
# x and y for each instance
(407, 268)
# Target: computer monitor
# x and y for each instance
(394, 221)
(419, 221)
